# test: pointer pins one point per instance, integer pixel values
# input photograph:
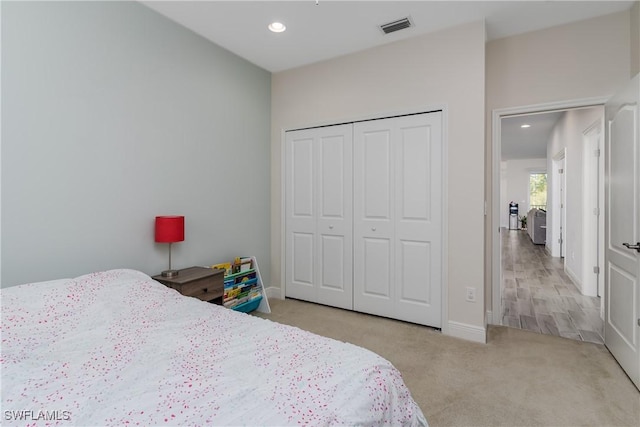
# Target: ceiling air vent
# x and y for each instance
(398, 25)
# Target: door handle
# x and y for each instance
(630, 246)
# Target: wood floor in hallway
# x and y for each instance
(537, 294)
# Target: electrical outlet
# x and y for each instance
(471, 294)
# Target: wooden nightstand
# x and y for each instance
(203, 283)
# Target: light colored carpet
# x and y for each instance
(519, 378)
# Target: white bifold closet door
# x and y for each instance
(363, 216)
(318, 209)
(398, 218)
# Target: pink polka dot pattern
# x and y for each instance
(116, 348)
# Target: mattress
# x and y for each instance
(117, 348)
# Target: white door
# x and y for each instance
(318, 186)
(622, 229)
(398, 218)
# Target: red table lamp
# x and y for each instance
(169, 229)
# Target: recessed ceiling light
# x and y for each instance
(277, 27)
(525, 126)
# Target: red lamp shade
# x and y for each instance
(169, 229)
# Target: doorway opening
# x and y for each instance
(542, 275)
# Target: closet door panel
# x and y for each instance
(376, 277)
(375, 150)
(303, 245)
(373, 283)
(334, 224)
(300, 211)
(332, 177)
(318, 182)
(302, 178)
(414, 190)
(418, 222)
(333, 268)
(414, 272)
(398, 199)
(377, 268)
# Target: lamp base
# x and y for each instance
(169, 273)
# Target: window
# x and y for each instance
(538, 190)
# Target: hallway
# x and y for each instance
(537, 294)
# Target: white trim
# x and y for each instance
(273, 292)
(468, 332)
(496, 259)
(556, 217)
(377, 116)
(591, 238)
(283, 199)
(487, 318)
(576, 282)
(496, 142)
(537, 170)
(444, 309)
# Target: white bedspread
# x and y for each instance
(117, 348)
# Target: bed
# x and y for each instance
(118, 348)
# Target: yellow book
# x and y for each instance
(226, 266)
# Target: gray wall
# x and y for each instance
(111, 115)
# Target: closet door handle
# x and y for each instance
(632, 246)
(331, 227)
(373, 229)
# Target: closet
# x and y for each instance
(363, 216)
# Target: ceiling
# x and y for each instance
(531, 142)
(332, 28)
(335, 28)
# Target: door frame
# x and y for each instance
(495, 315)
(443, 108)
(594, 238)
(558, 217)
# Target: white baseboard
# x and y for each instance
(456, 329)
(467, 332)
(488, 318)
(273, 292)
(576, 282)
